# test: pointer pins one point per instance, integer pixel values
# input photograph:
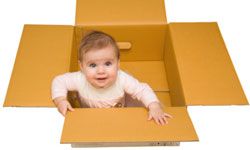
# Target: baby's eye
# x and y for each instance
(108, 63)
(92, 65)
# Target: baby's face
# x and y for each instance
(100, 66)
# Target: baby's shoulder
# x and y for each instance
(125, 72)
(122, 74)
(71, 76)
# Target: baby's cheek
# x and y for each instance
(113, 74)
(90, 74)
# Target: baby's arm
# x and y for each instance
(61, 84)
(144, 93)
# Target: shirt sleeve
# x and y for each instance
(138, 90)
(63, 83)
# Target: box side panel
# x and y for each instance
(125, 125)
(113, 12)
(173, 77)
(150, 72)
(164, 98)
(43, 53)
(206, 72)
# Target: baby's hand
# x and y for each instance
(63, 105)
(156, 112)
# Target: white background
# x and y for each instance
(40, 128)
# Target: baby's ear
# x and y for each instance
(80, 65)
(118, 64)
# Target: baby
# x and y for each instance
(100, 83)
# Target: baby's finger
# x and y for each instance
(70, 108)
(63, 111)
(162, 121)
(157, 121)
(165, 120)
(168, 115)
(60, 111)
(150, 117)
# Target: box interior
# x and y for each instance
(144, 60)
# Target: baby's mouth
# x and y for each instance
(101, 79)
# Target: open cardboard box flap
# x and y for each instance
(43, 51)
(125, 12)
(125, 125)
(184, 63)
(199, 60)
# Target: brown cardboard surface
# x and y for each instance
(164, 97)
(173, 77)
(205, 71)
(44, 51)
(151, 72)
(120, 12)
(125, 125)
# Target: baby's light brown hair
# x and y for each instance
(93, 40)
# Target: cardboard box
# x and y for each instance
(185, 64)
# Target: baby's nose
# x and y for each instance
(100, 70)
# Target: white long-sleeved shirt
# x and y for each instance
(102, 97)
